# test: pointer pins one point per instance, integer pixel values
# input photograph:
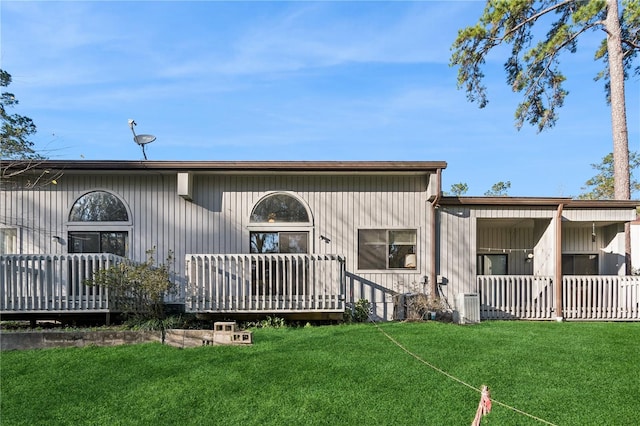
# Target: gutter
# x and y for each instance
(341, 167)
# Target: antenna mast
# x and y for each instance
(141, 140)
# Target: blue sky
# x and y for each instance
(293, 81)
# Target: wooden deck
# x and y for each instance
(265, 283)
(300, 286)
(54, 285)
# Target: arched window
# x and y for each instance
(280, 223)
(98, 206)
(98, 224)
(279, 208)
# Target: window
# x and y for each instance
(115, 242)
(387, 249)
(279, 242)
(580, 264)
(277, 276)
(8, 240)
(493, 264)
(279, 223)
(99, 223)
(279, 208)
(98, 206)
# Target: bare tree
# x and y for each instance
(17, 154)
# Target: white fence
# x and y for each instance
(594, 297)
(53, 283)
(601, 297)
(515, 296)
(260, 283)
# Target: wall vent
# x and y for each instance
(467, 308)
(185, 185)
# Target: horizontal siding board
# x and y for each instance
(509, 212)
(595, 215)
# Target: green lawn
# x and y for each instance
(564, 373)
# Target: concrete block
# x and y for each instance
(224, 327)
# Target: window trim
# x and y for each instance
(598, 259)
(306, 232)
(387, 269)
(307, 227)
(120, 226)
(483, 255)
(18, 237)
(291, 194)
(101, 223)
(127, 233)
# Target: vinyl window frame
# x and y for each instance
(386, 245)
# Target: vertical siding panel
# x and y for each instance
(217, 223)
(216, 220)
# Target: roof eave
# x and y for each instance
(238, 166)
(537, 202)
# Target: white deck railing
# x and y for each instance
(515, 296)
(54, 283)
(594, 297)
(380, 298)
(260, 283)
(601, 297)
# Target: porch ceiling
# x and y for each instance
(523, 223)
(587, 224)
(503, 223)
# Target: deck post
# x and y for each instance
(558, 266)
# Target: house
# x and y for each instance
(305, 240)
(539, 258)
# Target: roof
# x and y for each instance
(340, 167)
(538, 202)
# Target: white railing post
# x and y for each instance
(53, 283)
(273, 283)
(602, 297)
(514, 296)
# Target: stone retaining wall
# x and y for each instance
(224, 333)
(63, 339)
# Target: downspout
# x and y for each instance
(558, 268)
(434, 240)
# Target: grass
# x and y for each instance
(564, 373)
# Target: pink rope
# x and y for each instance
(484, 407)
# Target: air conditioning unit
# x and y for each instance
(467, 308)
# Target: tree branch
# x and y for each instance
(632, 44)
(548, 59)
(533, 18)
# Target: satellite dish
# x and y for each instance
(141, 140)
(144, 139)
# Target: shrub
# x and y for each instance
(419, 305)
(359, 312)
(269, 322)
(139, 287)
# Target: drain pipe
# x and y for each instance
(558, 267)
(434, 240)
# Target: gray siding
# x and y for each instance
(457, 262)
(466, 231)
(595, 215)
(217, 219)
